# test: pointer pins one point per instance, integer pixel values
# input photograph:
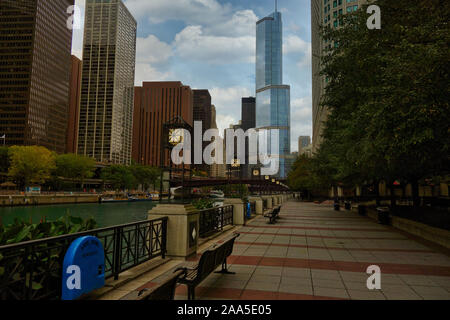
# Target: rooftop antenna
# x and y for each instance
(276, 6)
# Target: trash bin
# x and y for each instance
(362, 210)
(348, 205)
(383, 215)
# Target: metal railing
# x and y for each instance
(214, 220)
(32, 270)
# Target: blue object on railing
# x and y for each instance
(249, 210)
(83, 268)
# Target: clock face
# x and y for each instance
(175, 136)
(256, 172)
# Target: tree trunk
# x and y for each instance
(377, 193)
(415, 194)
(392, 196)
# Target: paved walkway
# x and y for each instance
(314, 252)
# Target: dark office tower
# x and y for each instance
(248, 113)
(35, 50)
(202, 112)
(74, 104)
(202, 108)
(107, 82)
(157, 103)
(248, 122)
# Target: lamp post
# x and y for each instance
(237, 164)
(257, 175)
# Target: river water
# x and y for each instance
(106, 214)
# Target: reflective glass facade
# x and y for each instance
(273, 106)
(35, 53)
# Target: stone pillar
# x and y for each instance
(182, 228)
(275, 200)
(259, 204)
(269, 202)
(238, 210)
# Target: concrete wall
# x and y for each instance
(436, 235)
(45, 199)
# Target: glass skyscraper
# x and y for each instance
(273, 106)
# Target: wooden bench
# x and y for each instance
(211, 259)
(273, 215)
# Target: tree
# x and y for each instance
(75, 167)
(30, 164)
(145, 175)
(387, 95)
(119, 176)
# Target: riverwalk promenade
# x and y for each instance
(314, 252)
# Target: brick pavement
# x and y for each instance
(313, 252)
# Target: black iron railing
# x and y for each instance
(33, 270)
(214, 220)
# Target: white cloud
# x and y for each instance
(152, 50)
(190, 11)
(145, 72)
(242, 23)
(296, 45)
(224, 122)
(191, 43)
(228, 103)
(301, 119)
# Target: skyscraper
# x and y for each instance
(248, 113)
(157, 103)
(248, 116)
(324, 13)
(202, 113)
(273, 107)
(107, 87)
(303, 142)
(35, 51)
(217, 170)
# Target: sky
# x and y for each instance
(210, 44)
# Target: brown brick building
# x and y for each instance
(74, 105)
(35, 51)
(156, 103)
